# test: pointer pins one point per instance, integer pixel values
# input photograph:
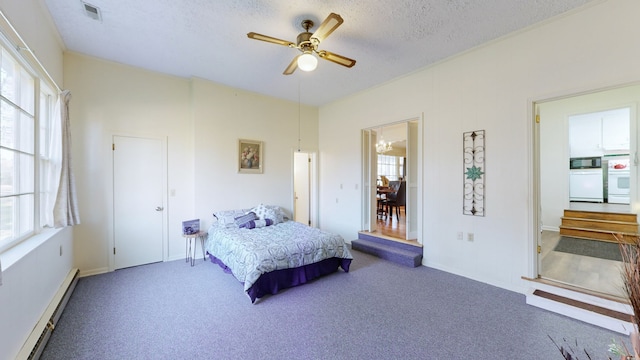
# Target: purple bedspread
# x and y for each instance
(272, 282)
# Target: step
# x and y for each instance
(597, 215)
(596, 224)
(602, 235)
(400, 253)
(610, 314)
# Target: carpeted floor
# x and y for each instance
(379, 310)
(586, 247)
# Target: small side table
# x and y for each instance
(191, 240)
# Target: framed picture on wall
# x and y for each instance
(250, 156)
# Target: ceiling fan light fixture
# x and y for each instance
(307, 43)
(307, 62)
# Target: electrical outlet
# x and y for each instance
(470, 236)
(336, 200)
(460, 235)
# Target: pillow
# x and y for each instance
(227, 218)
(260, 211)
(243, 219)
(264, 212)
(252, 224)
(280, 215)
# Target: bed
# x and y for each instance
(266, 252)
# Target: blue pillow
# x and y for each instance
(252, 224)
(242, 220)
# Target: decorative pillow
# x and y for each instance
(260, 211)
(252, 224)
(242, 220)
(280, 215)
(263, 212)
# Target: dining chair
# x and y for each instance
(400, 199)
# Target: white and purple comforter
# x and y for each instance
(249, 253)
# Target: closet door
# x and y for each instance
(138, 201)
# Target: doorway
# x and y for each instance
(304, 188)
(390, 180)
(138, 201)
(582, 144)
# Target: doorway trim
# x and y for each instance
(415, 182)
(533, 130)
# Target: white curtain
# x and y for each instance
(52, 167)
(65, 210)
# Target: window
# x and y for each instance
(21, 148)
(390, 166)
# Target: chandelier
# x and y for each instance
(383, 147)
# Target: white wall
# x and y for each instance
(28, 287)
(222, 115)
(490, 88)
(111, 99)
(35, 26)
(37, 269)
(201, 122)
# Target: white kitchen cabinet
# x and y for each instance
(595, 134)
(585, 136)
(615, 132)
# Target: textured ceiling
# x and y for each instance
(208, 38)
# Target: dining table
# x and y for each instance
(384, 190)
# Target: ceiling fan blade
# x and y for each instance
(328, 26)
(338, 59)
(292, 66)
(270, 39)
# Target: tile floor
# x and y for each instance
(587, 272)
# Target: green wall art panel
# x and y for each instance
(474, 173)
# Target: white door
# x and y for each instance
(301, 187)
(412, 171)
(137, 200)
(369, 177)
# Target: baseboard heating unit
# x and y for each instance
(33, 347)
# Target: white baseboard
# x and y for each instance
(551, 228)
(92, 272)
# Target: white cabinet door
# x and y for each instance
(616, 131)
(585, 135)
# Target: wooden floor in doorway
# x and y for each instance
(393, 227)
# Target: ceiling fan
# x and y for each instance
(308, 43)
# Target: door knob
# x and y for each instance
(159, 208)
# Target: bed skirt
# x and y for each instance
(272, 282)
